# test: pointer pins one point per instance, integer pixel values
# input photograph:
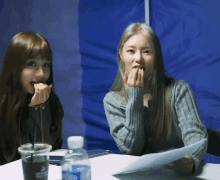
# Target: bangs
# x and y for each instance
(40, 48)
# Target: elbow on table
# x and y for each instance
(132, 150)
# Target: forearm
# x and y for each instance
(194, 132)
(198, 156)
(190, 122)
(127, 127)
(129, 136)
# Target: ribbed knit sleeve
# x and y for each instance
(126, 125)
(190, 122)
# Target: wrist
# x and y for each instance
(135, 92)
(189, 158)
(33, 104)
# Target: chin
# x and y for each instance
(30, 92)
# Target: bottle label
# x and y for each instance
(75, 174)
(78, 172)
(77, 168)
(66, 175)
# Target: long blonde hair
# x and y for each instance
(160, 115)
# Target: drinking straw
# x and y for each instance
(33, 141)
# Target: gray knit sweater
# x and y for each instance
(127, 121)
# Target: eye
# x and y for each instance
(47, 65)
(130, 51)
(146, 51)
(31, 63)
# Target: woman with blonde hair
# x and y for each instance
(27, 98)
(147, 111)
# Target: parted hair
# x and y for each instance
(160, 115)
(13, 98)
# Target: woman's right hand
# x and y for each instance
(134, 79)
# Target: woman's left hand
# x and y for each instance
(41, 94)
(184, 165)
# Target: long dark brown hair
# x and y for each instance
(160, 122)
(23, 46)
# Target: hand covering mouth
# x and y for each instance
(139, 67)
(32, 82)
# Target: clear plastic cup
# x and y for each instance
(35, 162)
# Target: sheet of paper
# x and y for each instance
(59, 152)
(155, 160)
(102, 167)
(55, 172)
(210, 171)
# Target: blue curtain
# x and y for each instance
(101, 24)
(189, 35)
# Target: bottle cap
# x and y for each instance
(75, 142)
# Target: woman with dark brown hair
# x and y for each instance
(147, 111)
(27, 98)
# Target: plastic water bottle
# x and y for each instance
(75, 164)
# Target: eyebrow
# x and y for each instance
(145, 47)
(46, 61)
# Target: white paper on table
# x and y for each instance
(55, 172)
(150, 161)
(58, 152)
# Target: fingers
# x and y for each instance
(42, 93)
(46, 92)
(36, 89)
(135, 74)
(36, 96)
(142, 77)
(135, 78)
(188, 157)
(183, 166)
(132, 77)
(49, 90)
(139, 74)
(38, 92)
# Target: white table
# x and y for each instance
(103, 166)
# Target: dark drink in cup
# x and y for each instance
(35, 170)
(35, 162)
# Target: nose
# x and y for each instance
(40, 73)
(138, 57)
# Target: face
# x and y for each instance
(35, 71)
(137, 52)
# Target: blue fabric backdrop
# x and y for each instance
(101, 24)
(84, 36)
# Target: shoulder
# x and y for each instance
(180, 84)
(111, 96)
(181, 88)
